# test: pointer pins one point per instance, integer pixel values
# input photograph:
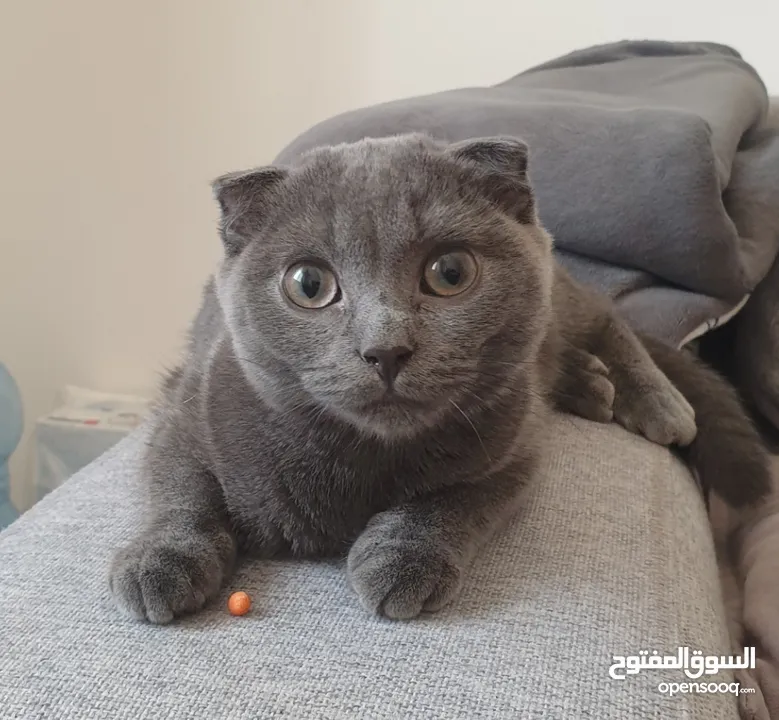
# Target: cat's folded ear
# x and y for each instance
(500, 172)
(245, 199)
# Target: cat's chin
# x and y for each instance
(394, 418)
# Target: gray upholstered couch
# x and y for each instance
(611, 555)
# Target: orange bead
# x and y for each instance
(239, 603)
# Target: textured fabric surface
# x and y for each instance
(611, 554)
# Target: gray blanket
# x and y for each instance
(657, 172)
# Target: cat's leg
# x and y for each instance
(645, 401)
(185, 552)
(412, 558)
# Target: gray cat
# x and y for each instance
(371, 374)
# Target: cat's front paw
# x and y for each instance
(399, 572)
(162, 575)
(650, 405)
(584, 387)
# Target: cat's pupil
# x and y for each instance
(310, 281)
(450, 271)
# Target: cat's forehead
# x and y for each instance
(376, 173)
(374, 154)
(381, 197)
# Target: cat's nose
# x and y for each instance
(387, 361)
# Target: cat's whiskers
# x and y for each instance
(313, 368)
(514, 364)
(567, 417)
(481, 442)
(246, 360)
(479, 398)
(297, 408)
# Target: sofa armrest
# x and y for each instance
(611, 554)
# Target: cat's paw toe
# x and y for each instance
(155, 580)
(401, 578)
(590, 363)
(586, 389)
(597, 398)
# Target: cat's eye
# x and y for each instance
(449, 274)
(311, 286)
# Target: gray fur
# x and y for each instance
(277, 438)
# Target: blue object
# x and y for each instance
(11, 424)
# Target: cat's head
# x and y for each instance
(390, 282)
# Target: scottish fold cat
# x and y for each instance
(372, 371)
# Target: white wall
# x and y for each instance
(115, 116)
(432, 44)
